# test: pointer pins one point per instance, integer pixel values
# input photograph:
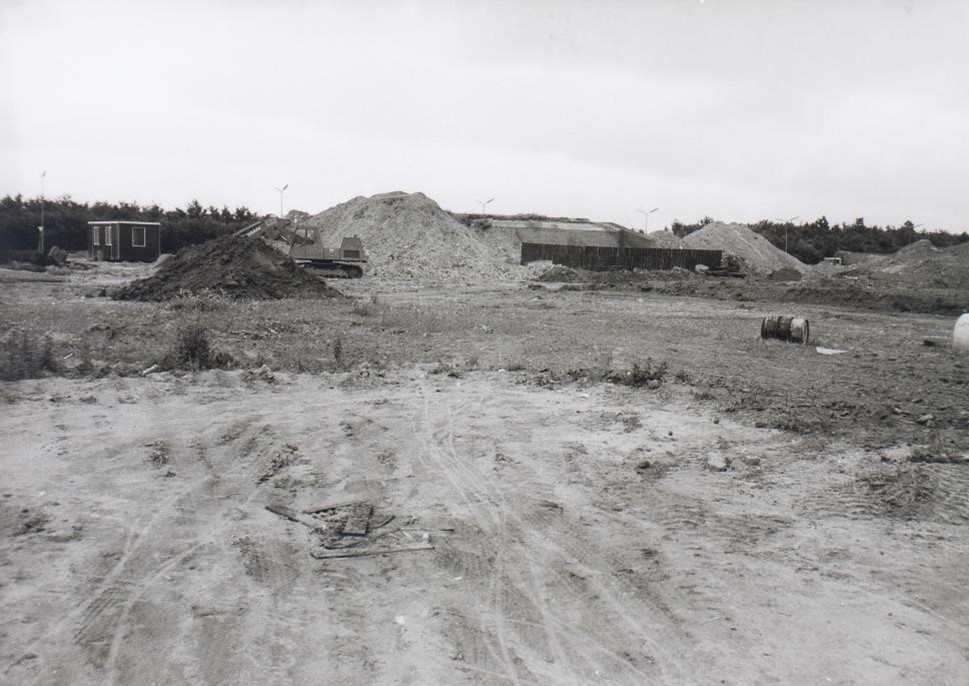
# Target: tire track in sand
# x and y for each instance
(573, 648)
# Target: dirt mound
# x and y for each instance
(664, 239)
(922, 265)
(408, 235)
(558, 274)
(240, 267)
(920, 248)
(785, 274)
(759, 254)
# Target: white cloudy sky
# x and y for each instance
(736, 109)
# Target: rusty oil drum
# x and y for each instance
(785, 328)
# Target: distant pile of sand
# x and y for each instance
(664, 239)
(238, 266)
(758, 254)
(407, 235)
(921, 264)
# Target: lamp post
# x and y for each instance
(281, 199)
(484, 204)
(646, 214)
(785, 222)
(42, 175)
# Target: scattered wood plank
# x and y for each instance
(359, 520)
(358, 552)
(446, 529)
(295, 516)
(377, 521)
(332, 505)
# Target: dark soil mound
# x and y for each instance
(558, 274)
(239, 267)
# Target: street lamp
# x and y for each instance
(646, 214)
(484, 204)
(785, 222)
(281, 199)
(42, 175)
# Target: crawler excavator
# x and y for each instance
(303, 245)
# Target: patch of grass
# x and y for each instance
(650, 373)
(703, 394)
(206, 300)
(447, 368)
(26, 355)
(682, 376)
(362, 309)
(338, 351)
(193, 350)
(788, 421)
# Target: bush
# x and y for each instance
(193, 351)
(649, 373)
(26, 356)
(338, 351)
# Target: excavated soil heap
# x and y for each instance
(407, 235)
(922, 265)
(239, 267)
(664, 239)
(758, 253)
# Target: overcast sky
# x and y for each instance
(737, 110)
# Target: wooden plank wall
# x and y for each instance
(600, 258)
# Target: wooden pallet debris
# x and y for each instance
(332, 504)
(295, 516)
(359, 520)
(362, 552)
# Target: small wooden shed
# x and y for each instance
(123, 241)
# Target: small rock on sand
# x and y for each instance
(717, 463)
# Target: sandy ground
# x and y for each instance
(590, 542)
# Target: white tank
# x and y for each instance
(960, 335)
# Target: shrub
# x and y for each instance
(193, 350)
(26, 356)
(649, 373)
(338, 351)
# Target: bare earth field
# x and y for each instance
(582, 529)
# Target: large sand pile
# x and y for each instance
(408, 235)
(664, 239)
(921, 264)
(758, 254)
(240, 267)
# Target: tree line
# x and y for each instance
(65, 221)
(812, 241)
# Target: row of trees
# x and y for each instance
(65, 221)
(811, 242)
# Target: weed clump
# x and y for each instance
(650, 373)
(26, 356)
(194, 351)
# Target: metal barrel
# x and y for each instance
(785, 328)
(800, 331)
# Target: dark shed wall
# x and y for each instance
(121, 247)
(129, 252)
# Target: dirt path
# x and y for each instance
(590, 543)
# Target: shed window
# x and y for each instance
(95, 235)
(107, 235)
(138, 236)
